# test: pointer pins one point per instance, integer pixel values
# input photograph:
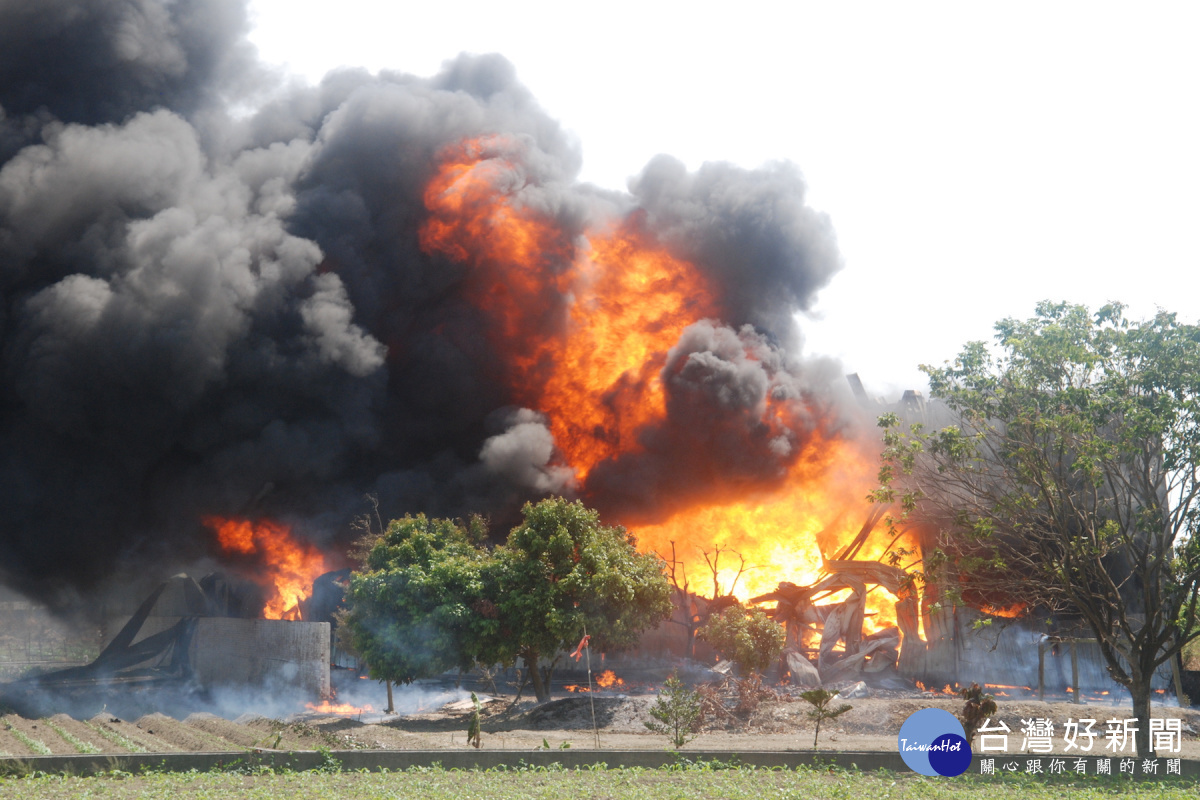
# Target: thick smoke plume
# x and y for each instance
(210, 314)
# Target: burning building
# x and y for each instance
(214, 326)
(383, 284)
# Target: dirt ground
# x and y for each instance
(872, 724)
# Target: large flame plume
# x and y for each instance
(591, 327)
(597, 372)
(283, 565)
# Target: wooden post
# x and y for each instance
(1180, 697)
(1041, 670)
(1075, 674)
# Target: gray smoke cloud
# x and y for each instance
(749, 229)
(94, 61)
(723, 437)
(209, 314)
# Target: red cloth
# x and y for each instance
(577, 653)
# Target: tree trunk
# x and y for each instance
(1139, 690)
(540, 690)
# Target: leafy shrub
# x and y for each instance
(677, 711)
(976, 710)
(751, 640)
(821, 711)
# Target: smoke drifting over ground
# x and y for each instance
(205, 314)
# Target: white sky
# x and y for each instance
(974, 158)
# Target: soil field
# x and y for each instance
(872, 724)
(662, 784)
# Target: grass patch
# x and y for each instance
(700, 782)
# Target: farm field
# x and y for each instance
(871, 725)
(597, 784)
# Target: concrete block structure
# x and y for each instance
(225, 651)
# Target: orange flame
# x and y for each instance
(594, 368)
(1008, 612)
(585, 323)
(286, 568)
(608, 679)
(326, 707)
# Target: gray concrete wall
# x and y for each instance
(249, 652)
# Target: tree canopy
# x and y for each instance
(1069, 478)
(750, 639)
(431, 596)
(415, 604)
(561, 574)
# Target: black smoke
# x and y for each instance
(204, 313)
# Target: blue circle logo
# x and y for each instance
(933, 742)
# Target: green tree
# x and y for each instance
(1069, 479)
(420, 604)
(751, 640)
(677, 711)
(562, 573)
(430, 596)
(820, 700)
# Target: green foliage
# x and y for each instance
(36, 745)
(71, 739)
(676, 711)
(751, 640)
(329, 762)
(562, 572)
(419, 604)
(687, 778)
(976, 710)
(1068, 478)
(820, 700)
(474, 728)
(431, 596)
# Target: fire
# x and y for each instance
(594, 365)
(584, 322)
(326, 707)
(632, 303)
(608, 679)
(1008, 612)
(286, 568)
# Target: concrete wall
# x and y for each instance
(247, 652)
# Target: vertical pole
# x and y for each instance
(1075, 674)
(587, 650)
(1180, 697)
(1042, 670)
(391, 709)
